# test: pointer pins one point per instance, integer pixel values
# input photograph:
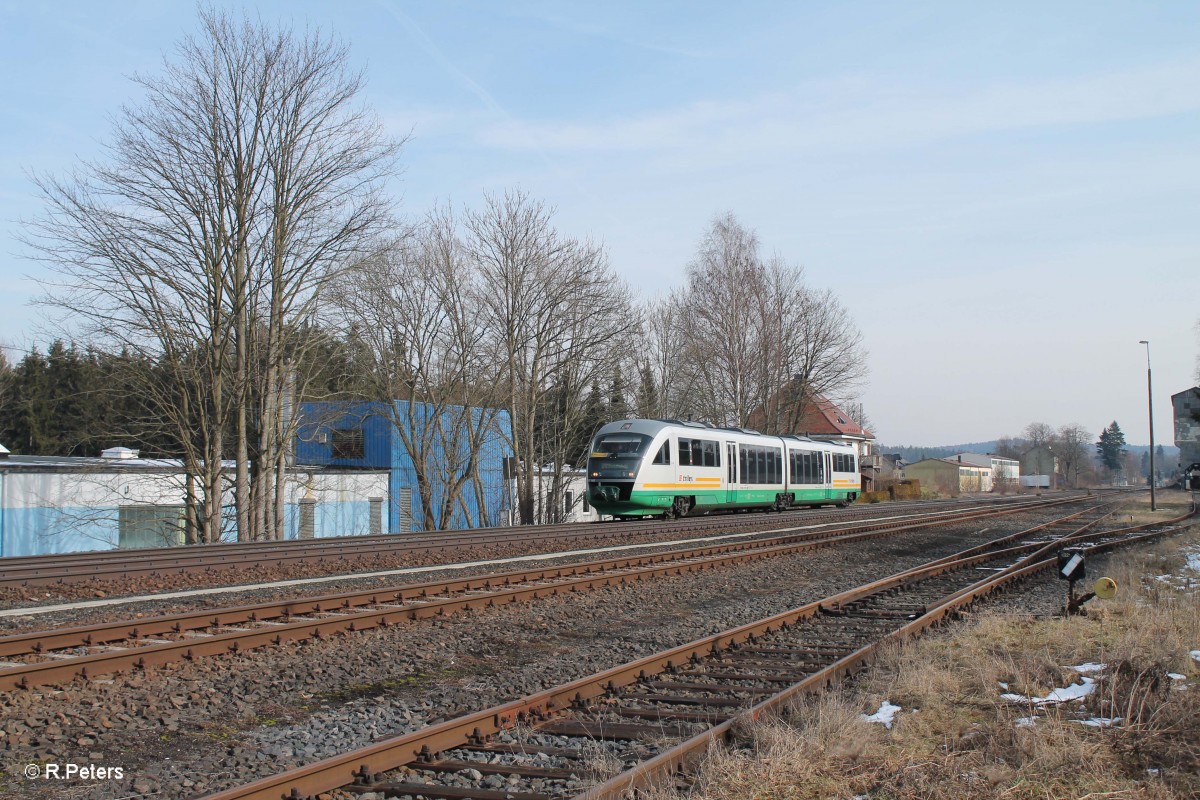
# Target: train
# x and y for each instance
(671, 468)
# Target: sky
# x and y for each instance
(1005, 195)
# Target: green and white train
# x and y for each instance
(668, 468)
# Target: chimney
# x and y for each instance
(960, 459)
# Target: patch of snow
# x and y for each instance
(1098, 722)
(1003, 685)
(885, 714)
(1195, 654)
(1091, 666)
(1175, 676)
(1027, 722)
(1076, 691)
(1152, 772)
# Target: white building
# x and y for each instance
(1005, 472)
(52, 504)
(556, 501)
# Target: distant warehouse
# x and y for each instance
(950, 476)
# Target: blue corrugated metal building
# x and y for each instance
(364, 435)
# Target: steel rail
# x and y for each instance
(364, 766)
(342, 551)
(686, 755)
(383, 606)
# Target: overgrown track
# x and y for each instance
(350, 552)
(650, 719)
(60, 655)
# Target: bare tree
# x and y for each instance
(1010, 447)
(1073, 444)
(666, 385)
(413, 308)
(232, 195)
(6, 382)
(554, 312)
(857, 413)
(760, 342)
(1038, 434)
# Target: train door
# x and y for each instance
(828, 476)
(730, 472)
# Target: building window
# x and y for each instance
(348, 443)
(149, 526)
(569, 501)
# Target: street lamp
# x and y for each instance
(1150, 403)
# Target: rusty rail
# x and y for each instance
(294, 619)
(345, 552)
(364, 767)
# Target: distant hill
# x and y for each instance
(911, 453)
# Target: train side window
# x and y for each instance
(710, 453)
(742, 463)
(664, 454)
(763, 475)
(685, 453)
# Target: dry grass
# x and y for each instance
(956, 737)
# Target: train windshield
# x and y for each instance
(617, 455)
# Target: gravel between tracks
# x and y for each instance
(193, 728)
(154, 607)
(586, 536)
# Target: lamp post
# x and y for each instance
(1150, 404)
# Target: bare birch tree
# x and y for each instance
(230, 197)
(552, 306)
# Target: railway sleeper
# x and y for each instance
(454, 765)
(428, 790)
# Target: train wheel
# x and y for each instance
(681, 507)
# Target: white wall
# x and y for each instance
(45, 511)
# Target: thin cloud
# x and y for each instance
(858, 112)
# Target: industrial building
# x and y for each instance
(950, 476)
(1186, 405)
(460, 451)
(52, 504)
(1005, 473)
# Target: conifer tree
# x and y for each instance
(1111, 447)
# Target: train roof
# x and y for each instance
(651, 427)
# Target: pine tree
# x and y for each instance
(1111, 447)
(618, 406)
(647, 394)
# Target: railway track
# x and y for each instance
(350, 552)
(650, 720)
(61, 655)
